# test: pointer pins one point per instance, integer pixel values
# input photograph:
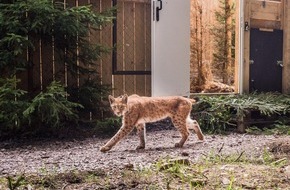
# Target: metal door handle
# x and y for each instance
(159, 8)
(280, 63)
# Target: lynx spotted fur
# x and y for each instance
(138, 110)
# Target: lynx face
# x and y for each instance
(119, 104)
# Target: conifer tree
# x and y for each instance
(23, 23)
(223, 33)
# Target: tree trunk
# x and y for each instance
(228, 40)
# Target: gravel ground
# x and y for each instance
(44, 157)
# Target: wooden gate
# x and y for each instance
(266, 50)
(132, 55)
(123, 68)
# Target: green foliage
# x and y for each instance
(12, 103)
(13, 184)
(216, 113)
(67, 28)
(52, 107)
(183, 172)
(221, 41)
(108, 126)
(278, 128)
(213, 114)
(23, 23)
(90, 95)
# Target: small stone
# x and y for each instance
(184, 154)
(129, 166)
(225, 181)
(287, 170)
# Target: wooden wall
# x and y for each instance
(237, 47)
(267, 15)
(286, 53)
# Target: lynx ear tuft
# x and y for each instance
(125, 98)
(111, 99)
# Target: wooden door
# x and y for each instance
(266, 50)
(170, 47)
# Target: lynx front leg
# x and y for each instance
(141, 131)
(123, 131)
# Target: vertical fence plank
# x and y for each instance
(140, 45)
(119, 79)
(129, 46)
(82, 77)
(47, 65)
(35, 58)
(72, 78)
(106, 58)
(59, 65)
(120, 34)
(95, 38)
(148, 47)
(23, 77)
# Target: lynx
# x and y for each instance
(138, 110)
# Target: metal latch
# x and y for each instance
(280, 63)
(251, 62)
(158, 9)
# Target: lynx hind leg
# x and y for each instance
(180, 125)
(193, 124)
(141, 131)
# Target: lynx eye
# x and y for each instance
(114, 107)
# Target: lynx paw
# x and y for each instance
(105, 148)
(178, 145)
(200, 137)
(140, 147)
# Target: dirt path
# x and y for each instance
(45, 157)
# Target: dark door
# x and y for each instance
(266, 50)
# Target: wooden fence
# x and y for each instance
(133, 48)
(130, 34)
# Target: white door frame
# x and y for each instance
(241, 22)
(170, 48)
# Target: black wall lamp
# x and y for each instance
(247, 27)
(264, 4)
